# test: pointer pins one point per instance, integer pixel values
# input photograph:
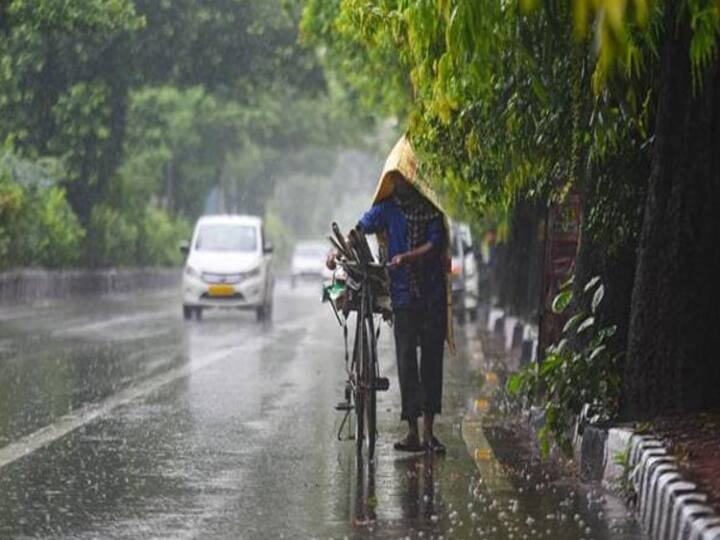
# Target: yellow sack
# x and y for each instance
(402, 159)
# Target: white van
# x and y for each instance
(228, 266)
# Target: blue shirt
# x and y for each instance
(387, 217)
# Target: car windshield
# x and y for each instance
(226, 237)
(314, 251)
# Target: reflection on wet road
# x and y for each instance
(119, 420)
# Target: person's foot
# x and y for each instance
(411, 443)
(432, 444)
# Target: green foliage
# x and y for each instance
(149, 105)
(37, 227)
(624, 486)
(146, 237)
(499, 99)
(56, 236)
(159, 238)
(487, 102)
(357, 43)
(175, 145)
(571, 376)
(282, 237)
(112, 237)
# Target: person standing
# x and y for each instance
(416, 240)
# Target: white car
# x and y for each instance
(228, 266)
(308, 261)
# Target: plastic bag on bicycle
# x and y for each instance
(345, 296)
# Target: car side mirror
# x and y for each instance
(268, 248)
(185, 248)
(467, 249)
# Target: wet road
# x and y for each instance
(119, 420)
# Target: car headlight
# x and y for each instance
(192, 272)
(251, 273)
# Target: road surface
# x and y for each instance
(120, 420)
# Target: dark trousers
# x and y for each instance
(423, 327)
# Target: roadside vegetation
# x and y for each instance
(120, 116)
(515, 106)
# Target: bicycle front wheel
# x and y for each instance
(371, 378)
(359, 353)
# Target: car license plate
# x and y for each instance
(221, 290)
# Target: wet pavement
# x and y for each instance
(120, 420)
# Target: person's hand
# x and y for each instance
(398, 260)
(330, 260)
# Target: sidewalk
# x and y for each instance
(673, 463)
(517, 494)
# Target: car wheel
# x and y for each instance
(187, 313)
(473, 315)
(198, 313)
(260, 313)
(461, 317)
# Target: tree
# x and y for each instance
(63, 90)
(149, 105)
(507, 104)
(671, 365)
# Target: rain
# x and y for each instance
(344, 270)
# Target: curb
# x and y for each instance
(668, 507)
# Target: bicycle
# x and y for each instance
(365, 291)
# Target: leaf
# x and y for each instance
(550, 363)
(597, 297)
(590, 284)
(587, 323)
(572, 321)
(514, 384)
(544, 438)
(561, 301)
(567, 283)
(597, 351)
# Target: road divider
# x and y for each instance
(28, 285)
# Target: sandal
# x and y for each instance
(434, 445)
(409, 444)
